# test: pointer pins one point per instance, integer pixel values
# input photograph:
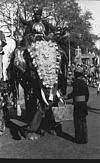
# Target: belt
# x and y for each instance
(80, 98)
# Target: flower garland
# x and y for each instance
(46, 58)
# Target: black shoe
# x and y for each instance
(81, 142)
(84, 141)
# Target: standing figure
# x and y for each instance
(2, 44)
(80, 95)
(98, 88)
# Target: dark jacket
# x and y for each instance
(80, 90)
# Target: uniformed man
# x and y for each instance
(80, 95)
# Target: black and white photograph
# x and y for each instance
(49, 79)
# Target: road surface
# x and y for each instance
(54, 147)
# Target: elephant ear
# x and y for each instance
(46, 58)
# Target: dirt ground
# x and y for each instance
(54, 147)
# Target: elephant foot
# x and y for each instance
(1, 133)
(56, 130)
(33, 136)
(41, 132)
(53, 132)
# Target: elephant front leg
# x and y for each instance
(33, 130)
(43, 117)
(35, 114)
(49, 123)
(51, 126)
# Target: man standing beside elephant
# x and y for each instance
(80, 95)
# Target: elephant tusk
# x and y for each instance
(59, 96)
(19, 112)
(43, 96)
(51, 95)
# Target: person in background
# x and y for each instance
(80, 95)
(2, 44)
(98, 88)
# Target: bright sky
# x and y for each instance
(94, 7)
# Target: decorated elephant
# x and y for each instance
(39, 69)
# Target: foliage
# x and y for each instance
(65, 13)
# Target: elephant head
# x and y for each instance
(46, 58)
